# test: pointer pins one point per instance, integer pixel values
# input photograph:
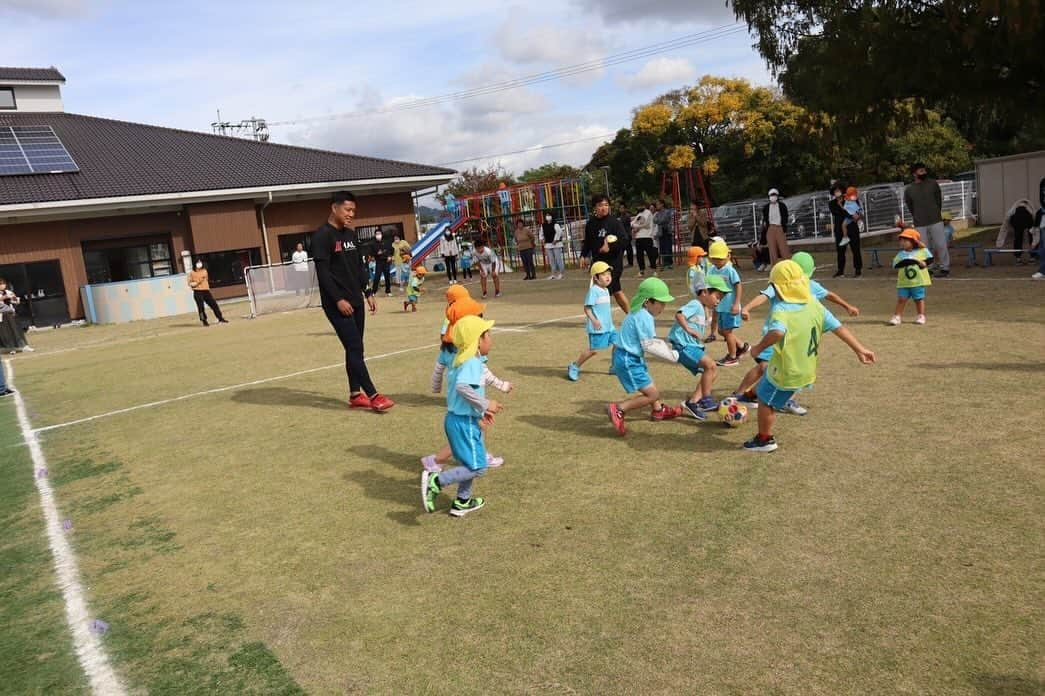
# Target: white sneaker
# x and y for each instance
(430, 465)
(844, 242)
(1038, 276)
(920, 319)
(493, 462)
(28, 349)
(895, 321)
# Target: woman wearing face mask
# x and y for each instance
(553, 234)
(774, 228)
(524, 243)
(449, 250)
(199, 281)
(839, 216)
(382, 253)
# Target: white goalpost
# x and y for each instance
(281, 287)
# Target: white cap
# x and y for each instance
(774, 192)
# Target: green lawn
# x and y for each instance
(264, 539)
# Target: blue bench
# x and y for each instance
(988, 254)
(970, 249)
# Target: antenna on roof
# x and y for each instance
(254, 128)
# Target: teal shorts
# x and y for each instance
(689, 357)
(601, 341)
(631, 371)
(412, 299)
(728, 321)
(772, 396)
(466, 440)
(917, 293)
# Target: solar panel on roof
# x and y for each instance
(33, 150)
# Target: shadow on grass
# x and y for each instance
(1007, 685)
(681, 435)
(422, 399)
(284, 396)
(1035, 367)
(391, 489)
(186, 326)
(399, 460)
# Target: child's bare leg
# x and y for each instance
(900, 304)
(707, 379)
(649, 395)
(496, 283)
(751, 378)
(919, 305)
(731, 341)
(766, 419)
(585, 356)
(482, 282)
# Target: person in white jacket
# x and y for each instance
(449, 250)
(645, 243)
(553, 234)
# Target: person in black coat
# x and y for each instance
(838, 227)
(602, 242)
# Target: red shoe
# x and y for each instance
(381, 403)
(617, 418)
(666, 413)
(360, 400)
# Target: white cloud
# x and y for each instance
(677, 12)
(48, 9)
(661, 71)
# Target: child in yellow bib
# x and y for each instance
(796, 325)
(912, 275)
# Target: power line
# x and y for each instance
(537, 78)
(529, 149)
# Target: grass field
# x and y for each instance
(263, 539)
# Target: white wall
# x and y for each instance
(38, 98)
(1002, 181)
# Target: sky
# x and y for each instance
(303, 66)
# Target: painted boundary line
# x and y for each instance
(266, 380)
(89, 649)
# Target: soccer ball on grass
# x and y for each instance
(732, 412)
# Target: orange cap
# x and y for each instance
(851, 191)
(695, 253)
(456, 292)
(464, 307)
(913, 235)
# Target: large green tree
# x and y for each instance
(478, 180)
(545, 172)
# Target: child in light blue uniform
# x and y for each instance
(637, 336)
(599, 310)
(686, 337)
(728, 312)
(467, 406)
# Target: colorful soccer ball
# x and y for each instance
(732, 412)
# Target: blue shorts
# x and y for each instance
(412, 299)
(466, 440)
(689, 357)
(601, 341)
(772, 396)
(446, 355)
(917, 293)
(631, 371)
(728, 321)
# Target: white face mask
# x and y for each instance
(774, 199)
(199, 265)
(377, 236)
(547, 218)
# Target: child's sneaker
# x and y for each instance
(492, 461)
(617, 418)
(707, 404)
(749, 400)
(728, 361)
(429, 464)
(573, 372)
(895, 321)
(429, 490)
(920, 319)
(460, 508)
(844, 242)
(666, 413)
(793, 408)
(744, 350)
(711, 338)
(757, 444)
(693, 409)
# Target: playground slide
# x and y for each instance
(429, 242)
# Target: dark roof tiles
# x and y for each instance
(41, 74)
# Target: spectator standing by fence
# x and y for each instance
(839, 219)
(382, 253)
(524, 243)
(697, 224)
(625, 222)
(774, 228)
(553, 235)
(449, 250)
(664, 223)
(925, 201)
(642, 232)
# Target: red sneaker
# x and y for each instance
(360, 400)
(666, 413)
(381, 403)
(617, 418)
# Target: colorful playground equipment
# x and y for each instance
(696, 193)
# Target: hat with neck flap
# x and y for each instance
(790, 282)
(466, 337)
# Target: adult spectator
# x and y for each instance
(843, 225)
(1039, 221)
(602, 235)
(642, 233)
(381, 250)
(400, 254)
(299, 271)
(774, 228)
(4, 390)
(925, 201)
(343, 291)
(1020, 218)
(664, 231)
(199, 281)
(624, 217)
(449, 250)
(524, 243)
(12, 338)
(553, 234)
(697, 224)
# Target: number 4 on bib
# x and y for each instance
(814, 343)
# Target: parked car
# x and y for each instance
(738, 223)
(808, 215)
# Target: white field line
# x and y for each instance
(266, 380)
(88, 646)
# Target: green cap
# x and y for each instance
(805, 261)
(717, 282)
(651, 289)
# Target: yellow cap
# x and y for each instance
(599, 267)
(718, 250)
(466, 337)
(790, 282)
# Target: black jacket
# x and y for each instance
(595, 232)
(339, 266)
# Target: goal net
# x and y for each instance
(281, 287)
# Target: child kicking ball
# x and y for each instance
(796, 325)
(686, 337)
(599, 310)
(728, 313)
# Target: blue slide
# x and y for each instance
(429, 242)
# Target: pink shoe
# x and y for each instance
(430, 464)
(493, 462)
(920, 319)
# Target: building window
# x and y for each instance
(7, 98)
(115, 260)
(226, 268)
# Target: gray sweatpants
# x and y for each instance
(935, 238)
(463, 477)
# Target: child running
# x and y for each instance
(489, 264)
(599, 310)
(467, 407)
(414, 289)
(912, 276)
(638, 335)
(686, 338)
(745, 393)
(796, 326)
(728, 312)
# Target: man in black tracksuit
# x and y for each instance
(382, 253)
(601, 225)
(344, 291)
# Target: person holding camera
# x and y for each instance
(12, 338)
